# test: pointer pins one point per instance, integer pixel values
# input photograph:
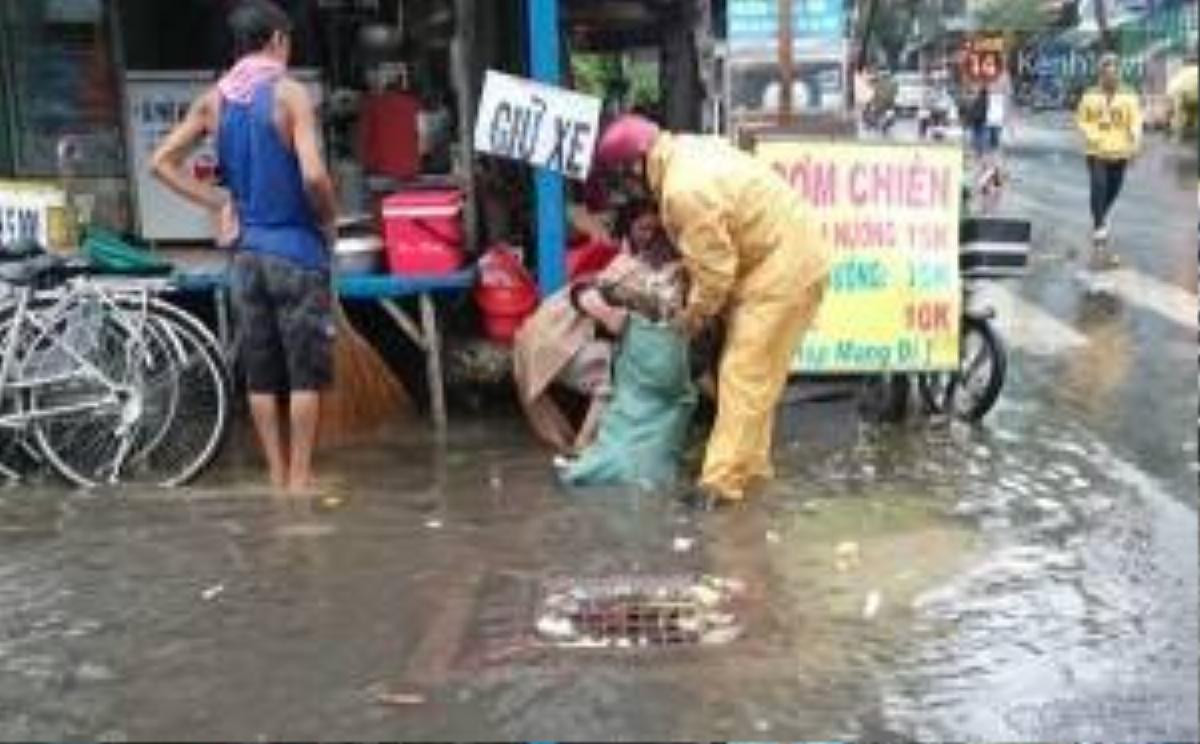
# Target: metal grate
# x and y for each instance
(638, 613)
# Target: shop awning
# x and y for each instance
(597, 25)
(1087, 32)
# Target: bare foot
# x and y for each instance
(303, 486)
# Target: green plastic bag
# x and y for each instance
(644, 430)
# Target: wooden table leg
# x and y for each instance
(224, 331)
(433, 361)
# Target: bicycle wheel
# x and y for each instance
(83, 372)
(19, 453)
(188, 407)
(971, 392)
(182, 317)
(14, 462)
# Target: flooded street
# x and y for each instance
(1031, 579)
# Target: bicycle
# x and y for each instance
(102, 380)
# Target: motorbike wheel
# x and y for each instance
(971, 392)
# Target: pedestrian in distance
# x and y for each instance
(278, 210)
(989, 117)
(1110, 118)
(752, 260)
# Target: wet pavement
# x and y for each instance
(1031, 579)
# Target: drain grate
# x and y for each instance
(639, 612)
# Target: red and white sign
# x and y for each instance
(984, 59)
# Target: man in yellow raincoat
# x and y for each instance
(752, 261)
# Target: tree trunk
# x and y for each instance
(1107, 40)
(864, 49)
(683, 95)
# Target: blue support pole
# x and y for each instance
(545, 65)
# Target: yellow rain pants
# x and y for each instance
(746, 242)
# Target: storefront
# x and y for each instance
(60, 101)
(87, 87)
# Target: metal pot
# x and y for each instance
(380, 39)
(359, 255)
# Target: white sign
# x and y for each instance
(539, 124)
(27, 211)
(156, 102)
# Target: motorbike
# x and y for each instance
(879, 119)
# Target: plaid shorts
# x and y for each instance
(285, 324)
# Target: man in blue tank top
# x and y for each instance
(278, 212)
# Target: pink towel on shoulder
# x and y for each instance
(238, 85)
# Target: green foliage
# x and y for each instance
(606, 76)
(644, 85)
(891, 29)
(1029, 16)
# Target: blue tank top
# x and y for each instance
(263, 174)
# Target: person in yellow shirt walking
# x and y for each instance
(752, 260)
(1110, 119)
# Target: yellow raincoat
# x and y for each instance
(1111, 126)
(746, 243)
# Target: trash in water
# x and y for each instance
(720, 636)
(773, 537)
(707, 596)
(400, 698)
(556, 627)
(873, 603)
(848, 556)
(90, 672)
(434, 524)
(305, 531)
(638, 612)
(332, 502)
(212, 592)
(683, 544)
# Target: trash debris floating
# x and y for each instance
(400, 699)
(849, 556)
(639, 613)
(212, 592)
(872, 605)
(683, 544)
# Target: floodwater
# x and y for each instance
(1033, 579)
(920, 581)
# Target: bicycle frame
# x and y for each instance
(28, 323)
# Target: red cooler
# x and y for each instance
(423, 231)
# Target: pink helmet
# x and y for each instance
(628, 139)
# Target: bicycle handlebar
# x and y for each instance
(20, 250)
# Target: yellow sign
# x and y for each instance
(889, 215)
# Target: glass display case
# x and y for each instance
(60, 104)
(61, 83)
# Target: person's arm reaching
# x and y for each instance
(167, 165)
(708, 252)
(318, 184)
